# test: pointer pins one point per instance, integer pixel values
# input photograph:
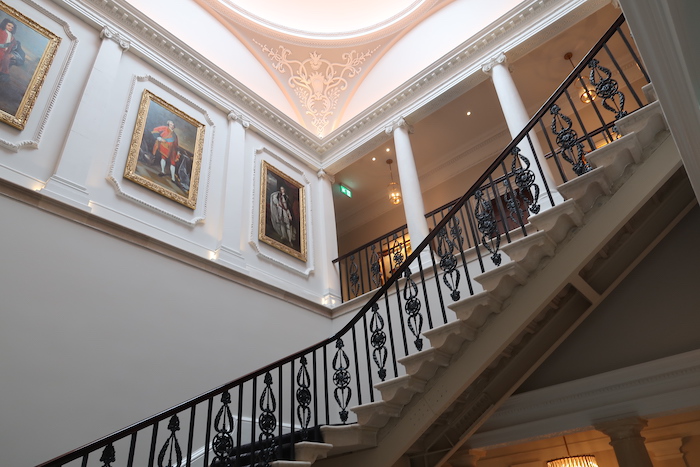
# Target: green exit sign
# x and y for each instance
(346, 191)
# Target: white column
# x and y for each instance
(408, 178)
(328, 239)
(517, 119)
(83, 143)
(627, 441)
(229, 252)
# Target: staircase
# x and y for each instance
(561, 263)
(582, 249)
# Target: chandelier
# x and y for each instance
(587, 95)
(393, 188)
(573, 461)
(586, 460)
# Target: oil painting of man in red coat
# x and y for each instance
(166, 147)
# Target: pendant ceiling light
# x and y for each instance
(586, 460)
(587, 95)
(393, 188)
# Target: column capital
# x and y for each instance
(398, 123)
(630, 427)
(323, 175)
(499, 59)
(235, 116)
(111, 34)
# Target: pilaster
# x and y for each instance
(328, 240)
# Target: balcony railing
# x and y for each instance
(254, 419)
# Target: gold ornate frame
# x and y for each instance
(266, 231)
(139, 168)
(30, 93)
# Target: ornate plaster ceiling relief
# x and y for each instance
(317, 82)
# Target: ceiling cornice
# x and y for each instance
(516, 33)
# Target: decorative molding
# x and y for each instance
(115, 177)
(398, 123)
(524, 29)
(316, 81)
(499, 59)
(53, 95)
(322, 175)
(308, 266)
(111, 34)
(235, 116)
(649, 389)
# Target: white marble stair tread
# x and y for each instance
(449, 337)
(376, 414)
(501, 282)
(558, 220)
(475, 310)
(586, 189)
(346, 438)
(614, 158)
(644, 123)
(424, 364)
(529, 251)
(400, 390)
(308, 451)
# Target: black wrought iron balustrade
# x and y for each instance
(257, 418)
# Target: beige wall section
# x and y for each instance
(97, 333)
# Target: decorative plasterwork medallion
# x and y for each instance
(317, 82)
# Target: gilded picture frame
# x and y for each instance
(27, 50)
(282, 212)
(165, 154)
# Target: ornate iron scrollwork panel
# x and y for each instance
(223, 444)
(412, 308)
(341, 379)
(304, 398)
(267, 423)
(375, 268)
(448, 262)
(354, 277)
(607, 89)
(525, 181)
(571, 149)
(486, 223)
(171, 446)
(378, 340)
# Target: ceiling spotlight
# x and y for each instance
(388, 150)
(469, 113)
(374, 159)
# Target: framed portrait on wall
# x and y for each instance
(26, 52)
(282, 212)
(165, 154)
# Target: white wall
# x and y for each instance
(97, 333)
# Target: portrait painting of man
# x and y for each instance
(282, 212)
(166, 151)
(26, 52)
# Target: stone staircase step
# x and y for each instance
(424, 364)
(449, 337)
(476, 309)
(501, 282)
(615, 157)
(586, 189)
(376, 414)
(348, 438)
(529, 251)
(308, 451)
(290, 464)
(559, 220)
(644, 123)
(400, 390)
